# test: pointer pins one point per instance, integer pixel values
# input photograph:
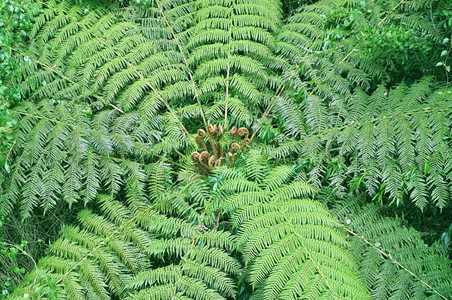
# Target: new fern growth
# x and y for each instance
(120, 101)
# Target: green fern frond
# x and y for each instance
(108, 256)
(115, 94)
(294, 249)
(381, 275)
(392, 146)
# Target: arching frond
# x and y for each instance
(294, 250)
(109, 256)
(394, 148)
(384, 278)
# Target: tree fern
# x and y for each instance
(142, 62)
(290, 246)
(115, 96)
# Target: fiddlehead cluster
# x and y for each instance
(216, 155)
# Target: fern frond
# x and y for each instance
(388, 142)
(381, 275)
(286, 245)
(201, 266)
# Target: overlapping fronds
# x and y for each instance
(226, 50)
(294, 249)
(329, 43)
(231, 53)
(117, 253)
(384, 276)
(309, 41)
(234, 189)
(63, 154)
(86, 262)
(127, 81)
(97, 58)
(115, 96)
(391, 141)
(105, 60)
(85, 71)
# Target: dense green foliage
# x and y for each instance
(349, 109)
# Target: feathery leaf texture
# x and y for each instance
(384, 278)
(153, 257)
(112, 97)
(290, 247)
(395, 138)
(123, 85)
